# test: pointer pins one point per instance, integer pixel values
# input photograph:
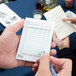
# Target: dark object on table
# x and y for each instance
(71, 54)
(11, 0)
(1, 32)
(67, 3)
(40, 4)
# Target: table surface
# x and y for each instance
(24, 8)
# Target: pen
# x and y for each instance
(52, 70)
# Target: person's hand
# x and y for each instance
(42, 66)
(9, 42)
(60, 65)
(72, 20)
(61, 43)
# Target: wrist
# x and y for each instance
(62, 47)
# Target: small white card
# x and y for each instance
(35, 40)
(72, 15)
(62, 29)
(7, 16)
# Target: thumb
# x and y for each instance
(57, 61)
(44, 62)
(16, 27)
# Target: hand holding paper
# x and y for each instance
(62, 28)
(35, 40)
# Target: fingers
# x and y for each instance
(53, 44)
(57, 61)
(73, 20)
(43, 69)
(62, 64)
(53, 52)
(44, 62)
(17, 26)
(35, 67)
(68, 19)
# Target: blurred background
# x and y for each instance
(6, 1)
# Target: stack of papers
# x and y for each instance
(35, 40)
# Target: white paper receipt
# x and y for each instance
(35, 40)
(7, 16)
(62, 28)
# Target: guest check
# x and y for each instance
(35, 40)
(62, 28)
